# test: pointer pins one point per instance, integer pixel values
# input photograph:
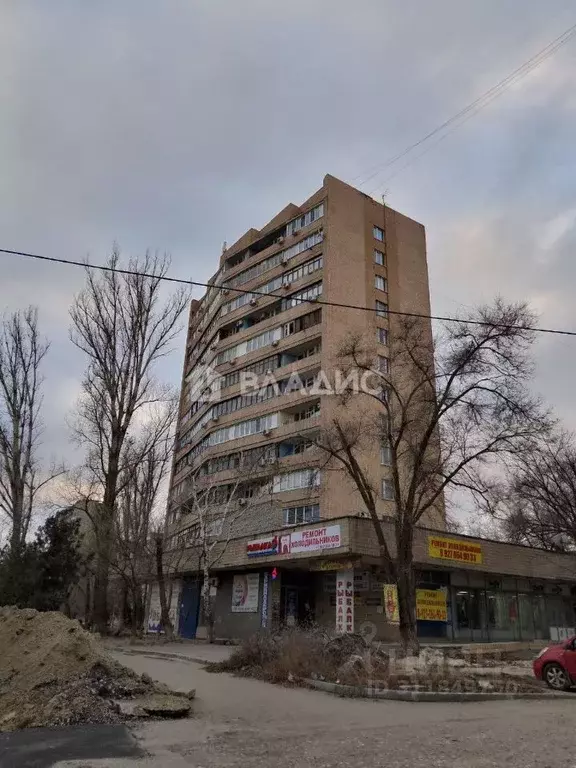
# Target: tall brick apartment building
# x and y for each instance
(296, 546)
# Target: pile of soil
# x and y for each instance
(53, 672)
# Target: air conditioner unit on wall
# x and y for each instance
(242, 502)
(267, 433)
(275, 343)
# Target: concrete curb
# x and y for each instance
(158, 654)
(369, 693)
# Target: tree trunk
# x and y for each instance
(16, 535)
(127, 609)
(406, 584)
(105, 539)
(137, 611)
(165, 620)
(407, 611)
(207, 606)
(102, 577)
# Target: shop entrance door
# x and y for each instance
(297, 606)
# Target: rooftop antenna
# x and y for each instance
(224, 246)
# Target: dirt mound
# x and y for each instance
(53, 672)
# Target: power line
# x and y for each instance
(480, 103)
(314, 301)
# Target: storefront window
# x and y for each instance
(559, 612)
(469, 612)
(503, 620)
(526, 614)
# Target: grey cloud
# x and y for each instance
(178, 125)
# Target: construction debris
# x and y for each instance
(53, 672)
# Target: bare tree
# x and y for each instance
(215, 511)
(146, 464)
(536, 503)
(22, 351)
(123, 325)
(443, 411)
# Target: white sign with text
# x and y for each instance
(315, 539)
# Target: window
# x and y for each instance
(379, 257)
(307, 294)
(380, 283)
(263, 340)
(214, 527)
(303, 478)
(383, 364)
(378, 234)
(382, 335)
(307, 218)
(281, 257)
(387, 490)
(188, 536)
(308, 413)
(302, 446)
(243, 429)
(239, 301)
(289, 277)
(381, 309)
(385, 455)
(309, 513)
(268, 364)
(309, 352)
(256, 342)
(302, 323)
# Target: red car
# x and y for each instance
(556, 665)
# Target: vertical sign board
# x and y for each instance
(391, 610)
(345, 602)
(265, 592)
(245, 588)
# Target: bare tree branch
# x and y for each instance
(446, 409)
(22, 351)
(125, 328)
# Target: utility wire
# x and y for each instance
(480, 103)
(313, 301)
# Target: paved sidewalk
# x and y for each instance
(186, 651)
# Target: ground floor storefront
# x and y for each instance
(467, 590)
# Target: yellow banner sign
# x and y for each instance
(431, 605)
(455, 549)
(391, 610)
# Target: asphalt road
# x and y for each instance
(240, 722)
(44, 747)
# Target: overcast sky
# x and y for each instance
(177, 125)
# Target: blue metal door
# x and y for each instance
(189, 605)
